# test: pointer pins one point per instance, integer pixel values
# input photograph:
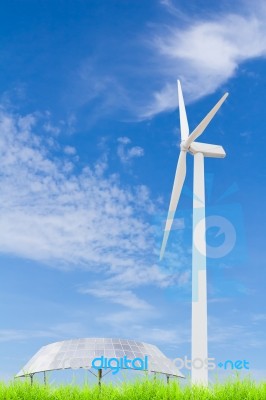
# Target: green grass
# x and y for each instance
(141, 390)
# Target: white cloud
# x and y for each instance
(205, 53)
(168, 336)
(148, 274)
(118, 287)
(135, 151)
(117, 320)
(125, 298)
(48, 127)
(70, 150)
(95, 84)
(259, 318)
(51, 214)
(236, 334)
(124, 140)
(203, 50)
(58, 331)
(163, 100)
(143, 328)
(125, 153)
(170, 7)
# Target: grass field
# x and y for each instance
(144, 389)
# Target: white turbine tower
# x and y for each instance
(199, 337)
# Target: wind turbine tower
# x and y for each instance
(199, 335)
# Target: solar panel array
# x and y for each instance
(79, 353)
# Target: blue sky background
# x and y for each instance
(89, 135)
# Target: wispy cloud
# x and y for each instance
(98, 89)
(205, 53)
(148, 274)
(240, 335)
(259, 318)
(125, 298)
(144, 327)
(168, 4)
(127, 153)
(55, 332)
(53, 214)
(118, 288)
(70, 150)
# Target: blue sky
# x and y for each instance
(89, 135)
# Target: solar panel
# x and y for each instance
(79, 353)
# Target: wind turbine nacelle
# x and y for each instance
(208, 150)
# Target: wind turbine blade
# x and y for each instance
(205, 122)
(182, 113)
(178, 184)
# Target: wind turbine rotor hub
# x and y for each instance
(183, 146)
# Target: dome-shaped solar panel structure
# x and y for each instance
(80, 353)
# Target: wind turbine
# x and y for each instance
(199, 337)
